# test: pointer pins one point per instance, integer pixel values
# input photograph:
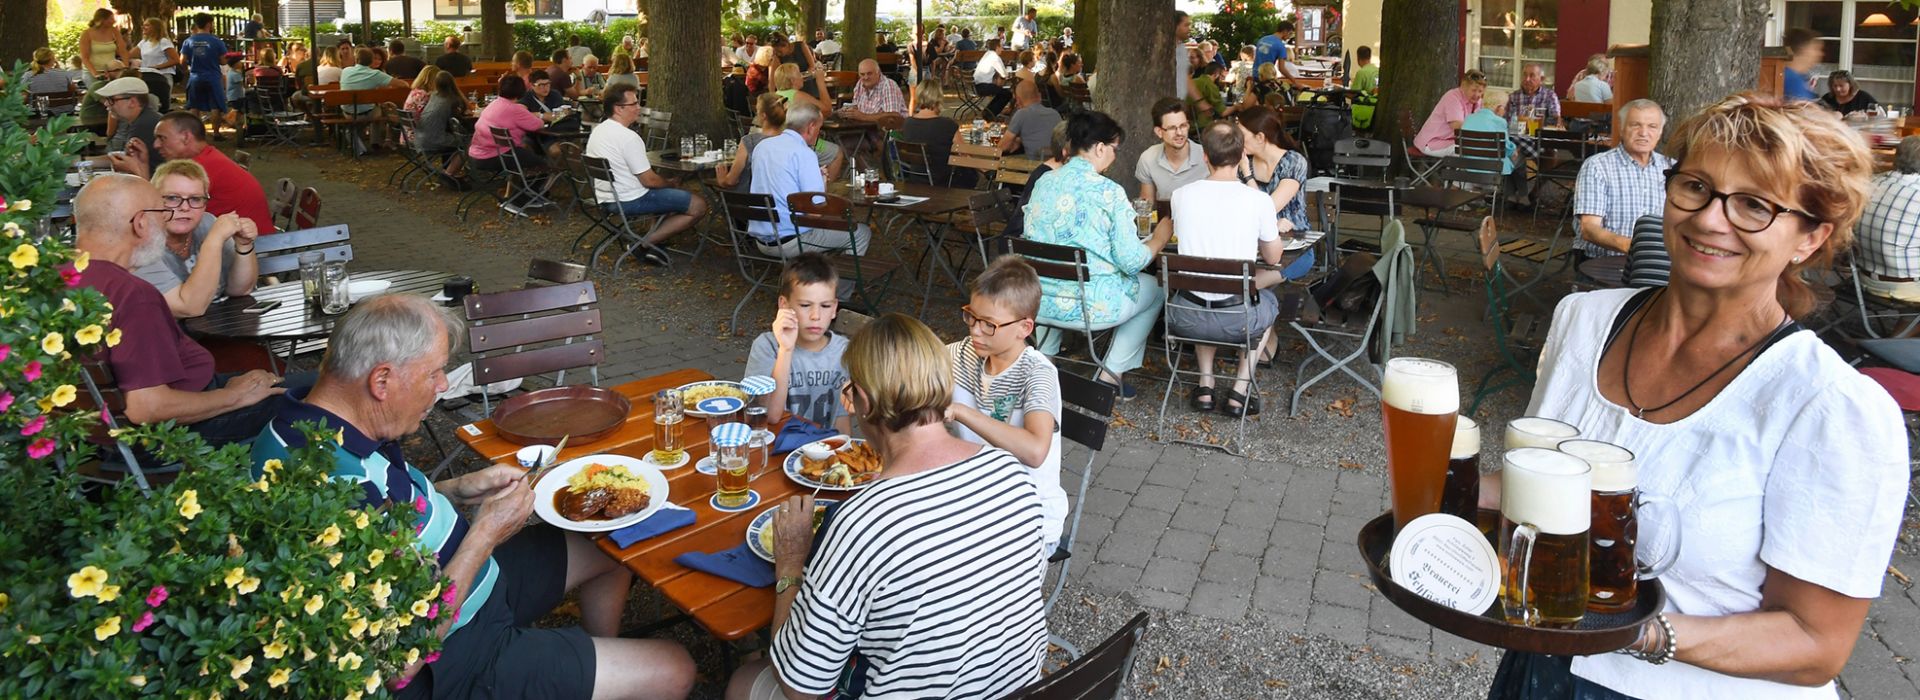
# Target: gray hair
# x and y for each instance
(1620, 120)
(387, 329)
(802, 114)
(1906, 156)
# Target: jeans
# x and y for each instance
(1129, 345)
(658, 200)
(245, 423)
(821, 240)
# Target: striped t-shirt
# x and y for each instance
(382, 471)
(933, 580)
(1030, 385)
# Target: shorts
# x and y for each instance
(206, 95)
(1186, 319)
(499, 654)
(766, 686)
(659, 200)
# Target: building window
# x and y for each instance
(456, 8)
(1512, 34)
(1313, 25)
(542, 9)
(1879, 54)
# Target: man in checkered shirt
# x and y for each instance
(1888, 255)
(874, 96)
(1617, 186)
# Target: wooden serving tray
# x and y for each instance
(587, 413)
(1596, 634)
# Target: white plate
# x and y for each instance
(361, 289)
(792, 467)
(722, 382)
(557, 479)
(765, 518)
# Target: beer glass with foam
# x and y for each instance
(1533, 431)
(1462, 495)
(1544, 509)
(1613, 550)
(1420, 400)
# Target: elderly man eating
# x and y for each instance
(384, 367)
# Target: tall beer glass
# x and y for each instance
(1544, 507)
(669, 423)
(1533, 431)
(1462, 495)
(1419, 400)
(1613, 552)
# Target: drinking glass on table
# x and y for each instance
(669, 419)
(1420, 404)
(732, 467)
(336, 288)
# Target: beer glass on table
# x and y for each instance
(669, 421)
(1613, 551)
(1534, 431)
(1544, 523)
(1461, 497)
(731, 466)
(1420, 400)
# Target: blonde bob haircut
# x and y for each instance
(928, 95)
(903, 370)
(183, 168)
(1804, 157)
(787, 77)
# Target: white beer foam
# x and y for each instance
(1466, 439)
(1613, 466)
(1533, 431)
(1547, 489)
(1414, 385)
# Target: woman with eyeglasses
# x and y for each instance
(195, 237)
(1786, 467)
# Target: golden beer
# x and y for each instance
(1461, 498)
(1544, 433)
(1613, 552)
(669, 445)
(1544, 524)
(1420, 401)
(732, 480)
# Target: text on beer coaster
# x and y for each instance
(1446, 559)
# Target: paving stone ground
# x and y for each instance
(1248, 564)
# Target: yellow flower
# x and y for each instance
(241, 667)
(274, 650)
(375, 557)
(234, 576)
(315, 603)
(107, 628)
(290, 593)
(307, 654)
(360, 520)
(108, 593)
(13, 230)
(33, 639)
(380, 590)
(53, 344)
(376, 627)
(87, 581)
(63, 395)
(189, 503)
(349, 661)
(249, 585)
(329, 537)
(24, 257)
(261, 485)
(412, 656)
(80, 260)
(419, 608)
(351, 695)
(373, 682)
(358, 627)
(333, 560)
(22, 205)
(89, 335)
(4, 601)
(67, 307)
(137, 681)
(278, 678)
(346, 582)
(113, 337)
(271, 466)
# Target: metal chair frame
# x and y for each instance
(1187, 273)
(1321, 339)
(600, 177)
(1086, 412)
(742, 208)
(1065, 264)
(516, 173)
(1422, 166)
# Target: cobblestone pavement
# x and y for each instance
(1247, 564)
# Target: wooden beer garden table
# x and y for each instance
(726, 609)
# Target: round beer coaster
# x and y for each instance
(676, 464)
(1446, 560)
(753, 499)
(706, 466)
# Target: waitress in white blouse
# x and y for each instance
(1786, 466)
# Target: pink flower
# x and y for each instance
(453, 591)
(6, 401)
(420, 504)
(156, 596)
(40, 448)
(5, 350)
(433, 611)
(435, 656)
(32, 371)
(70, 275)
(34, 426)
(402, 683)
(145, 621)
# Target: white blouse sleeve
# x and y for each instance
(1837, 488)
(1563, 322)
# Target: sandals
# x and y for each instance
(1202, 399)
(1248, 406)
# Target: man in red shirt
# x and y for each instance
(120, 223)
(230, 188)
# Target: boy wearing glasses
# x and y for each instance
(801, 354)
(1005, 392)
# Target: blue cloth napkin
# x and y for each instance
(798, 432)
(739, 564)
(668, 519)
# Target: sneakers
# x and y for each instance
(1125, 391)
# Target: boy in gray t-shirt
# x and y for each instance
(801, 355)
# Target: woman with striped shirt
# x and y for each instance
(928, 583)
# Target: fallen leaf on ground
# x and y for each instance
(1897, 576)
(1343, 406)
(1276, 683)
(1350, 464)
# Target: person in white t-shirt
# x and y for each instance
(1218, 217)
(987, 75)
(637, 189)
(1786, 468)
(1006, 393)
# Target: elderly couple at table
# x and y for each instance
(1462, 109)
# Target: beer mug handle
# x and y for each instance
(1669, 550)
(1520, 550)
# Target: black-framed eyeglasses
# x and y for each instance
(1750, 213)
(987, 328)
(138, 214)
(173, 201)
(634, 103)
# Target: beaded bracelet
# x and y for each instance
(1666, 651)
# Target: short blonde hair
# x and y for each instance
(904, 370)
(424, 81)
(765, 57)
(787, 76)
(1802, 155)
(622, 63)
(183, 168)
(927, 95)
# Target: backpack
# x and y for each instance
(1323, 125)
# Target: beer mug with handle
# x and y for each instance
(1615, 553)
(1544, 523)
(1534, 431)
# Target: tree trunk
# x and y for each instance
(1086, 32)
(683, 56)
(1141, 30)
(856, 37)
(813, 15)
(496, 36)
(1704, 50)
(23, 28)
(1421, 61)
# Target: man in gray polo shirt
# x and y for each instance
(1173, 162)
(1031, 128)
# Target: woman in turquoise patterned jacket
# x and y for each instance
(1077, 206)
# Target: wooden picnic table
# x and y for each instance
(292, 320)
(726, 609)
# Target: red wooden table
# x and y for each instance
(726, 609)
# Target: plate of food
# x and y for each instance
(839, 462)
(599, 493)
(692, 394)
(760, 531)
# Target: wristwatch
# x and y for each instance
(786, 582)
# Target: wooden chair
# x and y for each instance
(519, 178)
(840, 84)
(538, 330)
(1517, 336)
(1469, 173)
(1086, 411)
(1419, 163)
(541, 272)
(118, 459)
(1338, 336)
(989, 215)
(984, 159)
(616, 222)
(1362, 158)
(1101, 673)
(1187, 274)
(1362, 200)
(1013, 174)
(279, 253)
(911, 158)
(870, 276)
(1067, 265)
